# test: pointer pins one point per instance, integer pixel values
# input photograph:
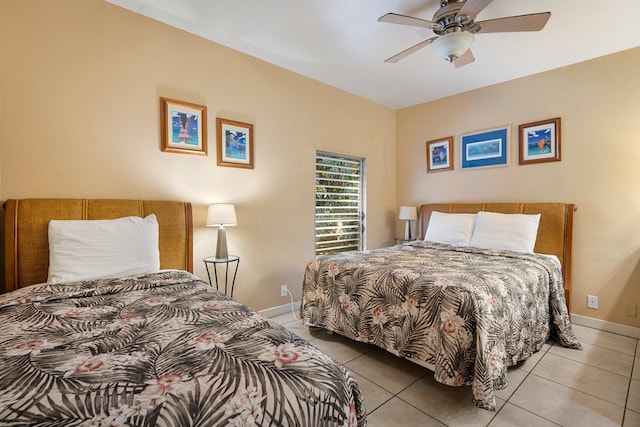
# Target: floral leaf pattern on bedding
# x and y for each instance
(162, 349)
(466, 313)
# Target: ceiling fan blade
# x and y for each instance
(533, 22)
(473, 7)
(464, 59)
(395, 18)
(407, 52)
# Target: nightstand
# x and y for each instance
(213, 261)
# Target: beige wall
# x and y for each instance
(79, 101)
(598, 102)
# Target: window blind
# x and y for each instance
(339, 208)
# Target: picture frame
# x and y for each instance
(539, 142)
(487, 148)
(183, 127)
(440, 155)
(235, 143)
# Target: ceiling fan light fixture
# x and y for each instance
(452, 45)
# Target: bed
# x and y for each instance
(160, 348)
(466, 313)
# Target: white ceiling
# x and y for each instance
(341, 43)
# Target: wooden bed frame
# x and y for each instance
(555, 233)
(26, 232)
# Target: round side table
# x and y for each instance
(213, 261)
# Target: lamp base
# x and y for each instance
(221, 246)
(407, 230)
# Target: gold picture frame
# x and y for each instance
(539, 142)
(183, 127)
(440, 155)
(235, 143)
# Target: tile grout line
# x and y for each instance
(581, 391)
(626, 400)
(397, 395)
(526, 410)
(603, 331)
(605, 347)
(530, 372)
(599, 367)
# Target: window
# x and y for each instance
(339, 203)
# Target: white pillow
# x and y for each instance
(512, 232)
(93, 249)
(454, 229)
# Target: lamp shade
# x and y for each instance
(408, 213)
(451, 45)
(221, 214)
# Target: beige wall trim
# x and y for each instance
(603, 325)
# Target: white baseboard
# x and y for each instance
(603, 325)
(281, 309)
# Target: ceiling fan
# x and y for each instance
(454, 24)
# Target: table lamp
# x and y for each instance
(408, 214)
(221, 214)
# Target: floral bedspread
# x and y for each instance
(467, 313)
(162, 349)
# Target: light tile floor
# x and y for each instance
(598, 386)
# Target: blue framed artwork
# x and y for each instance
(540, 142)
(184, 127)
(235, 143)
(488, 148)
(440, 155)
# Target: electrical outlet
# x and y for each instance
(283, 291)
(592, 301)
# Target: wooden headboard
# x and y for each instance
(27, 221)
(555, 233)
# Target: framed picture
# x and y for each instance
(440, 155)
(235, 143)
(184, 127)
(540, 142)
(487, 148)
